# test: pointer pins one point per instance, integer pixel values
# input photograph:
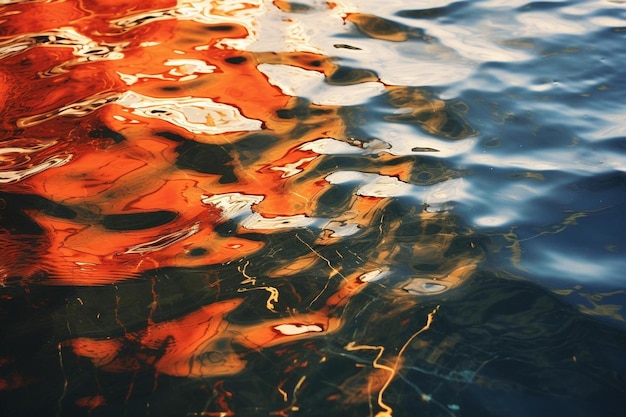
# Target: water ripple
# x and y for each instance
(275, 208)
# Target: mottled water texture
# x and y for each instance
(274, 208)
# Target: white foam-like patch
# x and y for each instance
(257, 222)
(7, 177)
(296, 38)
(244, 13)
(198, 115)
(233, 205)
(341, 229)
(297, 329)
(372, 276)
(165, 241)
(130, 79)
(189, 66)
(289, 170)
(329, 146)
(382, 186)
(425, 286)
(299, 82)
(239, 206)
(373, 185)
(385, 186)
(291, 80)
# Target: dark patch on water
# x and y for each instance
(434, 12)
(206, 158)
(236, 60)
(346, 46)
(250, 148)
(171, 136)
(13, 217)
(219, 28)
(349, 76)
(138, 221)
(104, 132)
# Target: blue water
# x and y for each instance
(542, 84)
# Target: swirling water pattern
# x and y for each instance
(216, 208)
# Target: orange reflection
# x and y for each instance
(178, 347)
(200, 343)
(132, 134)
(98, 177)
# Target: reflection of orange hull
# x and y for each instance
(178, 347)
(199, 344)
(97, 178)
(136, 178)
(94, 256)
(133, 138)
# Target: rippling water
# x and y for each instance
(228, 208)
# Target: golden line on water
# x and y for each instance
(273, 297)
(393, 370)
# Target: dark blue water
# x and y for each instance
(455, 238)
(540, 83)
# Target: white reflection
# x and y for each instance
(563, 159)
(330, 146)
(7, 150)
(198, 115)
(7, 177)
(79, 108)
(294, 168)
(372, 276)
(576, 267)
(233, 205)
(492, 203)
(296, 329)
(495, 220)
(312, 85)
(548, 23)
(83, 47)
(240, 207)
(165, 241)
(244, 13)
(302, 32)
(184, 70)
(257, 222)
(297, 39)
(424, 286)
(382, 186)
(405, 139)
(189, 66)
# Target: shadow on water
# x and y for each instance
(496, 346)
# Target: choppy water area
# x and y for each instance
(398, 208)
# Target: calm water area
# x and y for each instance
(350, 208)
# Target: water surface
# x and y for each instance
(225, 208)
